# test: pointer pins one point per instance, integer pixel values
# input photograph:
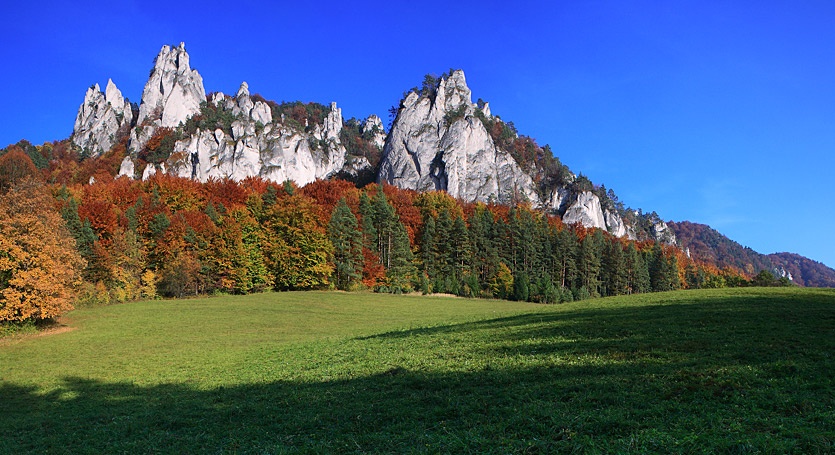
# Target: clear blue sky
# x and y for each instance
(716, 112)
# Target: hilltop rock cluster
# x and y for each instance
(438, 141)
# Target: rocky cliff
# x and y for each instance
(439, 140)
(171, 96)
(436, 143)
(256, 145)
(100, 118)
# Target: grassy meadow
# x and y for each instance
(711, 371)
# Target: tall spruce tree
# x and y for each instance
(347, 248)
(401, 273)
(427, 249)
(485, 257)
(369, 232)
(588, 264)
(614, 269)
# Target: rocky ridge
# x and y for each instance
(438, 141)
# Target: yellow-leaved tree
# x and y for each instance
(39, 265)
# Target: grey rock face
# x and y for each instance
(662, 233)
(174, 91)
(259, 147)
(99, 119)
(172, 94)
(586, 211)
(440, 145)
(615, 225)
(374, 126)
(255, 146)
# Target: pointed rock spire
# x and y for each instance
(174, 91)
(99, 118)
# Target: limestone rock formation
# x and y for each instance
(586, 211)
(255, 145)
(436, 143)
(172, 94)
(127, 169)
(660, 232)
(616, 226)
(100, 118)
(373, 126)
(174, 91)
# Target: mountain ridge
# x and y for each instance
(704, 243)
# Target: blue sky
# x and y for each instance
(716, 112)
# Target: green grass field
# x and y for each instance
(725, 371)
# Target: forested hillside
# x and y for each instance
(804, 271)
(172, 237)
(708, 244)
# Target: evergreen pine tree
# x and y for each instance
(369, 232)
(347, 250)
(485, 257)
(427, 249)
(588, 263)
(460, 248)
(385, 224)
(401, 272)
(614, 269)
(521, 287)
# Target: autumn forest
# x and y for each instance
(118, 240)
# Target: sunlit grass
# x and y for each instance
(746, 371)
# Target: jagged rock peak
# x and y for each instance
(453, 92)
(333, 123)
(99, 119)
(174, 91)
(429, 149)
(243, 91)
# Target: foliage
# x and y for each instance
(15, 166)
(296, 247)
(358, 142)
(38, 265)
(210, 118)
(161, 145)
(298, 115)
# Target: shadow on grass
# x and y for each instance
(730, 376)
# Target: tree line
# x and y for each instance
(121, 240)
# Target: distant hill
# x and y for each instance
(804, 271)
(707, 244)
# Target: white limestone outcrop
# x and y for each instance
(586, 211)
(258, 147)
(100, 118)
(438, 144)
(174, 91)
(127, 169)
(172, 94)
(373, 127)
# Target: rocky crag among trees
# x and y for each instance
(439, 140)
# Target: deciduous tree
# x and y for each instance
(39, 266)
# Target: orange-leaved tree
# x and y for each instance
(39, 266)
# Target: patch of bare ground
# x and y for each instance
(46, 329)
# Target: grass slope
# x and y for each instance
(732, 371)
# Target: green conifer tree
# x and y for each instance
(347, 248)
